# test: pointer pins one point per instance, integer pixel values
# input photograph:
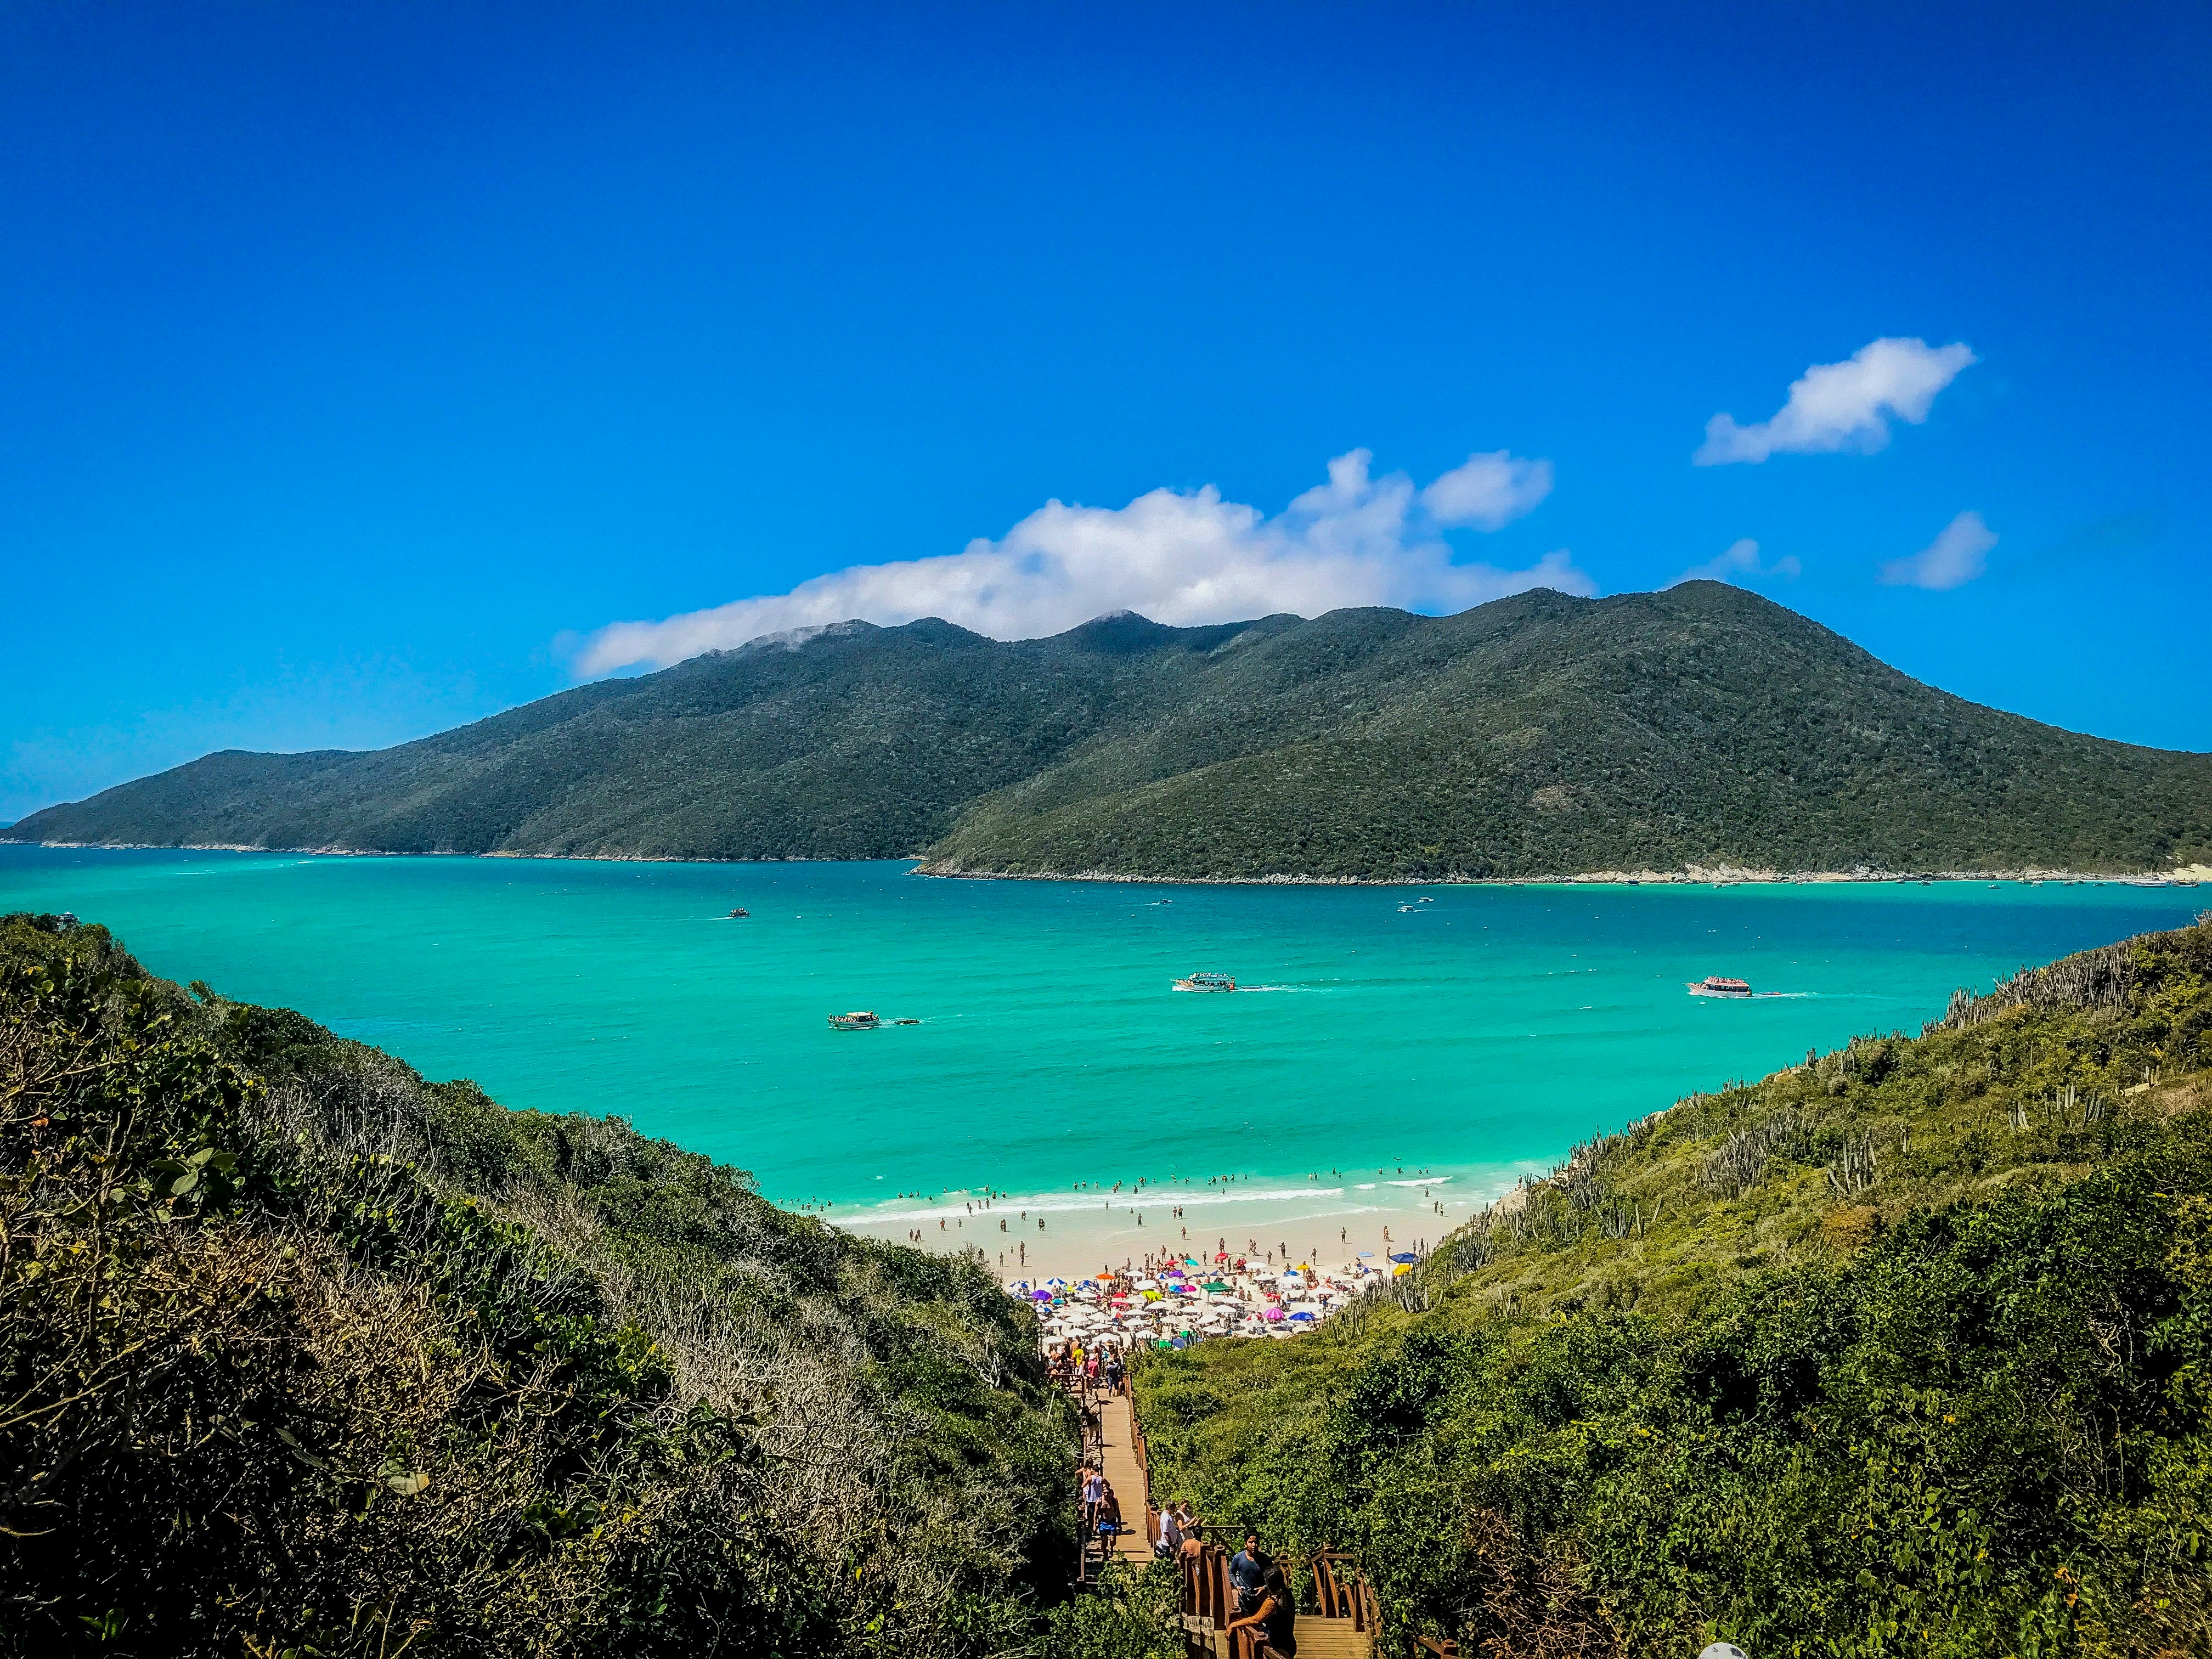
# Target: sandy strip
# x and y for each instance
(1329, 1220)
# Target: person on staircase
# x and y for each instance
(1110, 1525)
(1168, 1545)
(1276, 1618)
(1248, 1571)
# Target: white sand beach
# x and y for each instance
(1332, 1218)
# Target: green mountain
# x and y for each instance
(302, 1354)
(1540, 734)
(1904, 1351)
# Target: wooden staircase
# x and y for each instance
(1341, 1627)
(1123, 1451)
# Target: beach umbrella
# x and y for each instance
(1272, 1314)
(1057, 1283)
(1404, 1255)
(1301, 1315)
(1215, 1284)
(1400, 1269)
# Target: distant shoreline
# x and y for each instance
(1720, 875)
(1695, 876)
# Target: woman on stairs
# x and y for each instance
(1276, 1617)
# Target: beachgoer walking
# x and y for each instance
(1109, 1509)
(1094, 1493)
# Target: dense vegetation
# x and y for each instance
(1905, 1350)
(1538, 735)
(300, 1354)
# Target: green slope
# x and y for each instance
(1905, 1350)
(301, 1354)
(1538, 735)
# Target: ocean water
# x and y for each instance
(1480, 1033)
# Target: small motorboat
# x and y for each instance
(1206, 982)
(739, 915)
(858, 1020)
(1714, 986)
(906, 1022)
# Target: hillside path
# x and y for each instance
(1318, 1638)
(1119, 1445)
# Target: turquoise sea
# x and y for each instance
(1485, 1030)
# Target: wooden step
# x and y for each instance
(1333, 1638)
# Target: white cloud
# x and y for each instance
(1952, 560)
(1488, 491)
(1843, 406)
(1182, 557)
(1742, 559)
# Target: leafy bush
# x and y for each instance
(1628, 1410)
(303, 1355)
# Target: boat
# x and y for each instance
(1714, 986)
(906, 1022)
(1206, 982)
(739, 915)
(859, 1020)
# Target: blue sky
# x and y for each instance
(361, 365)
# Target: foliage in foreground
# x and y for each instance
(302, 1355)
(1905, 1350)
(1129, 1614)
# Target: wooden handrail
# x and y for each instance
(1208, 1603)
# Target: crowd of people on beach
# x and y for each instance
(1172, 1299)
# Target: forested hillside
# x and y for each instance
(300, 1354)
(1538, 735)
(1904, 1351)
